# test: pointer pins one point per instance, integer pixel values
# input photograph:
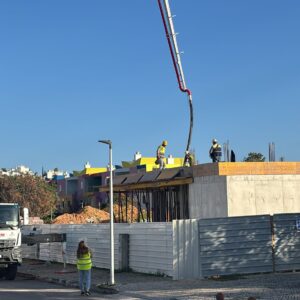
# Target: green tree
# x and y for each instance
(77, 173)
(254, 157)
(29, 191)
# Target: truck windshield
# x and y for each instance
(9, 215)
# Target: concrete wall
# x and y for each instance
(208, 197)
(243, 195)
(263, 194)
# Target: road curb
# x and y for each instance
(107, 289)
(96, 288)
(26, 275)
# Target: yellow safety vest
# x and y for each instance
(84, 263)
(161, 150)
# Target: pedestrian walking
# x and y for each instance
(84, 266)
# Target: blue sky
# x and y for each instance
(73, 72)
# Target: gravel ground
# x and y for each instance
(140, 286)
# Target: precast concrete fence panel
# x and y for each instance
(96, 237)
(286, 242)
(182, 249)
(150, 245)
(236, 245)
(185, 249)
(43, 251)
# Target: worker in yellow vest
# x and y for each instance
(160, 155)
(215, 151)
(84, 266)
(188, 159)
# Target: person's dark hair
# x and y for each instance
(251, 298)
(82, 249)
(220, 296)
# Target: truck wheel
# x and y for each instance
(11, 272)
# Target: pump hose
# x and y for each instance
(178, 76)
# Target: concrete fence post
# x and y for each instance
(124, 252)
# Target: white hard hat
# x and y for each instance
(214, 141)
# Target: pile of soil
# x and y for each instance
(87, 215)
(93, 215)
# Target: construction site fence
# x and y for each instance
(149, 248)
(184, 248)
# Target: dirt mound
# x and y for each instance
(94, 215)
(87, 215)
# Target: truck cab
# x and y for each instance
(10, 240)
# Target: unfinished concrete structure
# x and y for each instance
(212, 190)
(244, 188)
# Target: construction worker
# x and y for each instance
(160, 155)
(84, 266)
(215, 151)
(188, 159)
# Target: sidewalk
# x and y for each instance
(141, 286)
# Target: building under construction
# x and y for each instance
(209, 190)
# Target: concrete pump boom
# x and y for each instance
(175, 54)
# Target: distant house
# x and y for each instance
(77, 191)
(19, 170)
(83, 189)
(56, 174)
(149, 162)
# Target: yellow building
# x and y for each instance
(149, 163)
(88, 170)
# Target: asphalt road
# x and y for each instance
(23, 289)
(283, 286)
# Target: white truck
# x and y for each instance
(10, 240)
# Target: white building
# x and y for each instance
(51, 173)
(19, 170)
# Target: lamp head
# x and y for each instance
(107, 142)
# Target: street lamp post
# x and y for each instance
(112, 267)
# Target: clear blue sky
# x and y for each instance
(73, 72)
